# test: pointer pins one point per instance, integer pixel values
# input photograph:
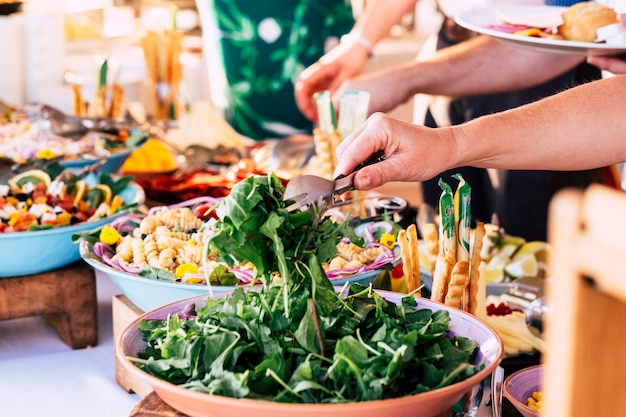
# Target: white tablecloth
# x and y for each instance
(41, 376)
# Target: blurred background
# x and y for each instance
(57, 43)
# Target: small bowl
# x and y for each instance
(34, 252)
(428, 404)
(519, 387)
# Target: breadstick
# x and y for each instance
(322, 153)
(458, 281)
(477, 289)
(117, 101)
(405, 254)
(334, 139)
(78, 103)
(441, 276)
(414, 281)
(431, 243)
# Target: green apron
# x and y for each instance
(264, 46)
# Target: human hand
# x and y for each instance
(342, 62)
(615, 63)
(412, 153)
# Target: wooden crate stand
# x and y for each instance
(66, 299)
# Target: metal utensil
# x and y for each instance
(535, 314)
(497, 377)
(309, 190)
(526, 293)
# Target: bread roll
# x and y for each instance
(582, 20)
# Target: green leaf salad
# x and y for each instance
(296, 339)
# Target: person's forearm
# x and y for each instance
(581, 128)
(480, 66)
(379, 17)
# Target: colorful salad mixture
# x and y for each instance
(170, 243)
(33, 200)
(296, 339)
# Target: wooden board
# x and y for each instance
(124, 312)
(153, 406)
(66, 299)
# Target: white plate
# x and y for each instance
(479, 19)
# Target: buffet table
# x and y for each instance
(41, 375)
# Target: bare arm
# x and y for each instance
(481, 65)
(578, 129)
(349, 57)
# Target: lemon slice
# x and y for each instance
(494, 269)
(34, 176)
(423, 258)
(540, 249)
(97, 194)
(81, 187)
(524, 266)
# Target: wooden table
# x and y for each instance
(65, 298)
(153, 406)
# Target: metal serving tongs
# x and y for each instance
(309, 190)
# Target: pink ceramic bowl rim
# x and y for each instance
(367, 407)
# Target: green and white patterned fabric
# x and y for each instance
(263, 47)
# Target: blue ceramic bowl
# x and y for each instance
(111, 166)
(145, 293)
(519, 386)
(148, 294)
(27, 253)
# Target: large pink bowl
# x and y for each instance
(198, 404)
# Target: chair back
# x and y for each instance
(585, 358)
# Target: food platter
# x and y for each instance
(480, 19)
(149, 293)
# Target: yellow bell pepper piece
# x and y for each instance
(388, 240)
(109, 235)
(188, 268)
